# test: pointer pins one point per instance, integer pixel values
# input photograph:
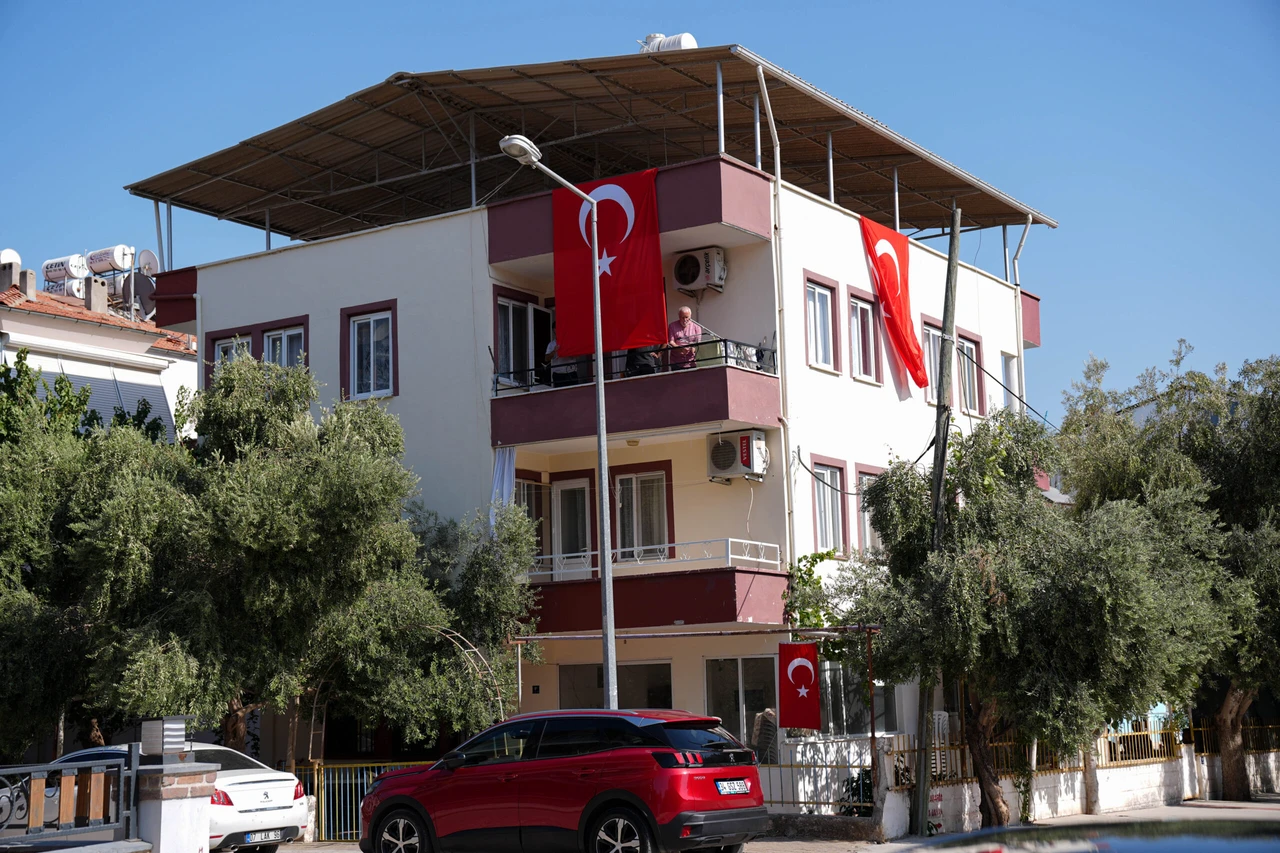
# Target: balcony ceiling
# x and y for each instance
(401, 150)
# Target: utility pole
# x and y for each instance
(942, 429)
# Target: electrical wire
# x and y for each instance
(1015, 394)
(819, 478)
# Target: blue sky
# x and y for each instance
(1149, 130)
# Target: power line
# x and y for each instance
(1015, 394)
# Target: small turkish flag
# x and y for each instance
(887, 256)
(633, 299)
(798, 705)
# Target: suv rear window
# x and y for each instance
(697, 738)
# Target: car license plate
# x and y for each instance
(732, 786)
(266, 835)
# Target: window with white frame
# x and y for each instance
(869, 538)
(932, 356)
(226, 349)
(862, 344)
(642, 515)
(818, 317)
(743, 693)
(842, 694)
(371, 353)
(283, 347)
(1009, 378)
(967, 374)
(514, 358)
(829, 505)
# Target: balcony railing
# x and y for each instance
(714, 352)
(703, 554)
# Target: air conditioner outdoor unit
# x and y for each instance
(699, 269)
(737, 454)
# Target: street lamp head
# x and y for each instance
(520, 148)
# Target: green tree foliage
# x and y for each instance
(1055, 623)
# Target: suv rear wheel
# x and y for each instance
(401, 832)
(619, 830)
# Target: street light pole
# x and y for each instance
(523, 150)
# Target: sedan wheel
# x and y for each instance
(620, 831)
(402, 832)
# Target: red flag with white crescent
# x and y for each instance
(633, 300)
(887, 256)
(798, 705)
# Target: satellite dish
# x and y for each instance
(11, 256)
(148, 263)
(143, 288)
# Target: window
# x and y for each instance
(829, 505)
(225, 349)
(500, 745)
(283, 347)
(967, 360)
(569, 736)
(842, 692)
(1009, 376)
(371, 349)
(743, 693)
(514, 358)
(820, 333)
(531, 496)
(642, 515)
(867, 534)
(640, 685)
(571, 528)
(862, 343)
(932, 358)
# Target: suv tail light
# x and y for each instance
(220, 798)
(298, 793)
(678, 759)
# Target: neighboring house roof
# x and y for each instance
(73, 309)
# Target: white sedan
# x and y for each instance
(252, 805)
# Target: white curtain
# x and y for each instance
(504, 479)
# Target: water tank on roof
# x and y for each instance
(658, 43)
(61, 269)
(111, 259)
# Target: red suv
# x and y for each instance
(594, 781)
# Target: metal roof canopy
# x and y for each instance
(422, 144)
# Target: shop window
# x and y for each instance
(640, 685)
(843, 694)
(743, 693)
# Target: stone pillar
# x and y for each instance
(95, 294)
(27, 283)
(8, 275)
(173, 806)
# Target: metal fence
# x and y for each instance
(813, 788)
(68, 798)
(1258, 737)
(702, 554)
(338, 789)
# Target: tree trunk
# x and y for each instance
(979, 729)
(1228, 721)
(62, 733)
(234, 729)
(1092, 803)
(291, 748)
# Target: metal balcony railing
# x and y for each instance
(713, 352)
(703, 554)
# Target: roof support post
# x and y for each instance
(720, 108)
(168, 212)
(1017, 295)
(267, 229)
(756, 110)
(160, 236)
(896, 224)
(472, 143)
(831, 171)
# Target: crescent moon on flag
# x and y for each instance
(884, 247)
(791, 669)
(603, 193)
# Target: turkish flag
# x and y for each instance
(798, 705)
(633, 299)
(887, 256)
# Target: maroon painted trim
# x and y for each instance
(344, 346)
(876, 321)
(1030, 320)
(593, 509)
(834, 287)
(662, 466)
(858, 470)
(255, 332)
(815, 460)
(174, 291)
(528, 475)
(976, 340)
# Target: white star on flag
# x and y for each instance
(605, 261)
(803, 691)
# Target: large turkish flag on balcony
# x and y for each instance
(888, 258)
(633, 301)
(798, 706)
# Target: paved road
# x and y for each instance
(1264, 807)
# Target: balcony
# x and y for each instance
(685, 583)
(730, 382)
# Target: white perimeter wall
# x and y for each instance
(437, 269)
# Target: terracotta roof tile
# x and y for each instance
(71, 308)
